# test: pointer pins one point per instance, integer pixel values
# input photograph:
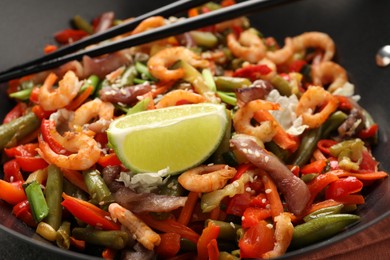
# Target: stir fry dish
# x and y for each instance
(219, 143)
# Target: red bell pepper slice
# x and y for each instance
(17, 111)
(69, 35)
(213, 250)
(256, 241)
(252, 72)
(31, 164)
(12, 171)
(46, 127)
(259, 201)
(34, 96)
(169, 245)
(238, 203)
(344, 103)
(319, 183)
(252, 216)
(22, 150)
(297, 65)
(22, 211)
(89, 213)
(343, 187)
(368, 163)
(208, 234)
(110, 159)
(369, 132)
(241, 169)
(314, 167)
(324, 144)
(12, 192)
(40, 112)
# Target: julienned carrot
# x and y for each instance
(366, 176)
(321, 205)
(272, 195)
(80, 98)
(76, 178)
(188, 209)
(209, 233)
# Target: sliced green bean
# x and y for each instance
(97, 188)
(111, 239)
(37, 201)
(15, 130)
(53, 194)
(204, 39)
(142, 105)
(227, 231)
(63, 235)
(309, 177)
(144, 71)
(22, 94)
(321, 228)
(281, 85)
(93, 81)
(128, 76)
(323, 212)
(230, 84)
(228, 98)
(82, 24)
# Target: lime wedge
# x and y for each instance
(176, 138)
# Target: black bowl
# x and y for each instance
(358, 28)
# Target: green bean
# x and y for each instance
(281, 85)
(171, 187)
(323, 212)
(53, 194)
(111, 239)
(82, 24)
(333, 122)
(15, 130)
(309, 177)
(193, 76)
(321, 228)
(227, 231)
(74, 191)
(208, 77)
(63, 235)
(277, 150)
(23, 94)
(204, 39)
(37, 201)
(228, 98)
(229, 84)
(142, 105)
(144, 71)
(97, 188)
(128, 76)
(93, 81)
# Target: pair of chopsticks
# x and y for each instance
(68, 53)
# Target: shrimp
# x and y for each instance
(331, 73)
(159, 63)
(172, 98)
(282, 55)
(149, 23)
(142, 232)
(248, 47)
(315, 40)
(206, 178)
(316, 97)
(53, 99)
(284, 230)
(85, 150)
(90, 110)
(244, 115)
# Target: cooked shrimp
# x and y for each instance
(172, 98)
(159, 63)
(89, 111)
(316, 97)
(248, 47)
(85, 150)
(242, 120)
(141, 232)
(149, 23)
(284, 230)
(282, 55)
(331, 73)
(315, 40)
(206, 178)
(53, 99)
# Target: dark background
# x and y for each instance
(358, 27)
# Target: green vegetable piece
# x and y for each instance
(144, 71)
(171, 187)
(323, 212)
(193, 76)
(282, 85)
(321, 228)
(97, 188)
(22, 95)
(230, 84)
(17, 129)
(53, 194)
(111, 239)
(309, 177)
(227, 256)
(228, 98)
(227, 231)
(93, 81)
(128, 76)
(208, 77)
(63, 235)
(37, 201)
(204, 39)
(82, 24)
(349, 153)
(142, 105)
(187, 245)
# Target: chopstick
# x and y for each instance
(165, 11)
(202, 20)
